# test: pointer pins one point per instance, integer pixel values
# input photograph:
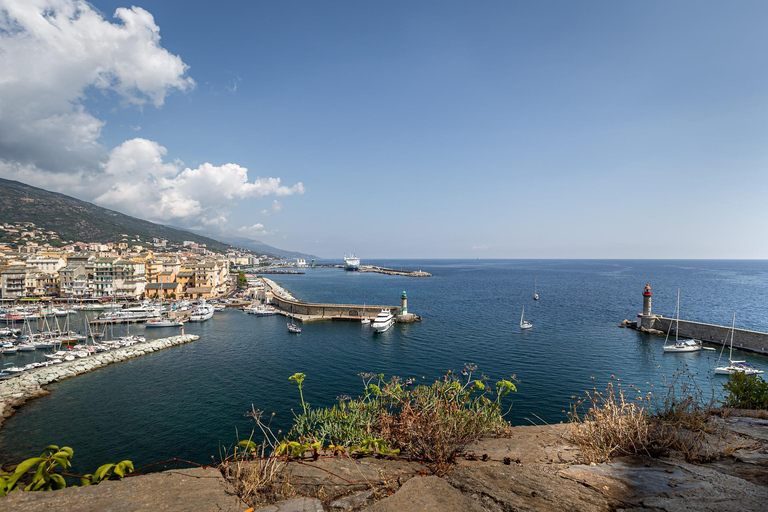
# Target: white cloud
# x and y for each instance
(481, 247)
(143, 184)
(51, 52)
(277, 206)
(255, 230)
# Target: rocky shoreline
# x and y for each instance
(533, 468)
(16, 391)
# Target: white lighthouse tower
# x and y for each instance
(646, 318)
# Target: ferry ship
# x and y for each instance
(351, 262)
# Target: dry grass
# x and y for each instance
(616, 422)
(256, 475)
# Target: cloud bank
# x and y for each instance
(53, 53)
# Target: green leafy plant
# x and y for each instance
(105, 471)
(428, 422)
(298, 378)
(746, 391)
(46, 478)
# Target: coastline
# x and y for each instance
(16, 391)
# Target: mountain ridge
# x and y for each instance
(81, 221)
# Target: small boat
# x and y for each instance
(383, 321)
(523, 323)
(163, 323)
(219, 307)
(262, 311)
(734, 366)
(680, 345)
(26, 347)
(293, 327)
(535, 295)
(365, 320)
(202, 312)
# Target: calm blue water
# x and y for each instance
(188, 401)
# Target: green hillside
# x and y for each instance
(79, 221)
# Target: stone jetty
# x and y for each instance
(15, 391)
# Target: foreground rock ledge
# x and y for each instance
(534, 469)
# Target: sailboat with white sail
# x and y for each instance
(680, 345)
(734, 366)
(523, 323)
(293, 327)
(535, 295)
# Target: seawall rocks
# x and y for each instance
(15, 391)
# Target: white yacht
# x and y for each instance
(733, 365)
(351, 262)
(143, 312)
(165, 322)
(680, 345)
(383, 321)
(202, 312)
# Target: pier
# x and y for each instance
(749, 341)
(284, 302)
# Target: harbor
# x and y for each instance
(471, 312)
(742, 339)
(17, 390)
(287, 305)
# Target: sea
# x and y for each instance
(191, 402)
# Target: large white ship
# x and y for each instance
(351, 262)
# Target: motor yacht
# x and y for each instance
(383, 321)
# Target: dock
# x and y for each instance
(284, 302)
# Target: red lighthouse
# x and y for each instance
(647, 300)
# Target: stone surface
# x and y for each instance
(341, 476)
(352, 502)
(526, 488)
(295, 505)
(672, 486)
(185, 490)
(549, 441)
(427, 494)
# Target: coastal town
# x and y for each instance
(37, 264)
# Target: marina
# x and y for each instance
(471, 314)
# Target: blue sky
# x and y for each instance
(448, 129)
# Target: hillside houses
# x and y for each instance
(117, 272)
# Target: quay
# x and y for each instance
(15, 391)
(749, 341)
(284, 302)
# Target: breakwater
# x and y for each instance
(393, 272)
(17, 390)
(286, 304)
(752, 341)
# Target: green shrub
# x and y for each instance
(746, 391)
(428, 422)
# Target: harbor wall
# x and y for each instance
(752, 341)
(329, 311)
(15, 391)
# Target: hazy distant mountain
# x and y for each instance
(80, 221)
(262, 248)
